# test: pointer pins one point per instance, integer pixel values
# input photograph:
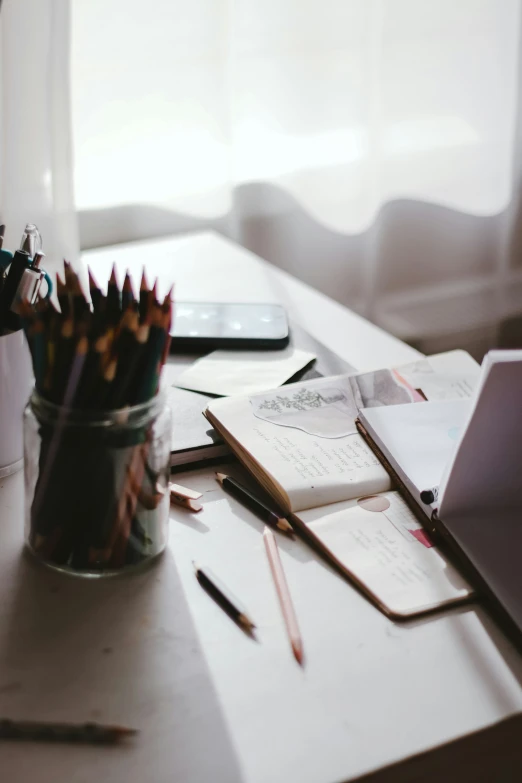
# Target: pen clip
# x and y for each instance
(5, 258)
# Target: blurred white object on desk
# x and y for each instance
(16, 380)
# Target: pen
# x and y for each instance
(19, 264)
(90, 733)
(29, 283)
(251, 501)
(283, 594)
(5, 255)
(221, 595)
(429, 496)
(31, 239)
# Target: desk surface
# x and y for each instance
(153, 651)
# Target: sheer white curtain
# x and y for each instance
(36, 176)
(368, 146)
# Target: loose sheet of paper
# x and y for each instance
(397, 568)
(228, 373)
(446, 376)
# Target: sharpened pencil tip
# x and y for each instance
(246, 622)
(284, 524)
(92, 279)
(113, 279)
(154, 291)
(125, 731)
(298, 653)
(221, 477)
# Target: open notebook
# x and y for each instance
(470, 453)
(301, 444)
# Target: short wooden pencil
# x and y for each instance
(283, 594)
(222, 596)
(37, 731)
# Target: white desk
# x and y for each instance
(153, 651)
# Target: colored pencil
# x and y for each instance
(283, 594)
(116, 345)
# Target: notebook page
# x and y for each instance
(444, 376)
(312, 452)
(418, 439)
(381, 550)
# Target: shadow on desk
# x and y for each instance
(116, 650)
(490, 756)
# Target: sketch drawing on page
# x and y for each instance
(328, 408)
(382, 387)
(327, 411)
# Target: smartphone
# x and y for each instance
(200, 326)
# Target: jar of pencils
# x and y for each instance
(96, 485)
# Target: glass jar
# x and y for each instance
(96, 485)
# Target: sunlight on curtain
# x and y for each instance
(343, 104)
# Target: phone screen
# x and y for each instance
(221, 323)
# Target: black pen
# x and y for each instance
(221, 595)
(29, 283)
(21, 261)
(429, 496)
(251, 501)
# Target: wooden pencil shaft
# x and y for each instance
(251, 501)
(283, 593)
(91, 733)
(127, 294)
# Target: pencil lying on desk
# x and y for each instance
(283, 594)
(36, 731)
(222, 596)
(251, 501)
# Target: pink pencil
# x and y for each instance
(283, 594)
